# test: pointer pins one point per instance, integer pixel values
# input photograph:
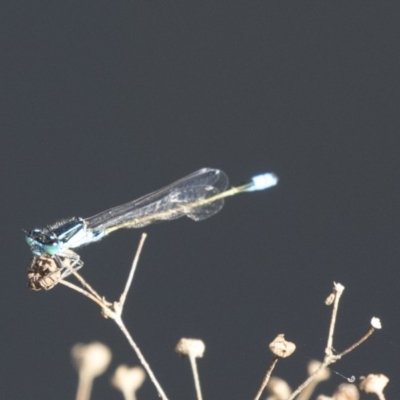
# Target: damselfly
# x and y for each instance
(197, 196)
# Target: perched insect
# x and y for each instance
(197, 196)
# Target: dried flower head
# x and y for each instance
(347, 391)
(278, 389)
(91, 359)
(338, 287)
(376, 323)
(128, 380)
(374, 383)
(191, 347)
(330, 299)
(43, 273)
(282, 348)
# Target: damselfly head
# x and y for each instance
(40, 242)
(53, 246)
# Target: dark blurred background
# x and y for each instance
(102, 102)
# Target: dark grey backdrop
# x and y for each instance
(102, 102)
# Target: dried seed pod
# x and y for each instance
(346, 391)
(91, 359)
(128, 380)
(282, 348)
(338, 288)
(330, 299)
(278, 388)
(190, 347)
(374, 383)
(376, 323)
(44, 273)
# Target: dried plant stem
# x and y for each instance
(266, 378)
(128, 396)
(356, 344)
(84, 387)
(146, 366)
(196, 378)
(85, 284)
(114, 311)
(331, 358)
(64, 262)
(308, 390)
(309, 379)
(337, 291)
(132, 271)
(82, 291)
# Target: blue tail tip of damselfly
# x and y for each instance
(263, 181)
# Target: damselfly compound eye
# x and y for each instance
(52, 247)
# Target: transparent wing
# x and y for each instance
(185, 197)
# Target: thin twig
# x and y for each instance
(196, 378)
(84, 388)
(146, 366)
(330, 358)
(114, 311)
(85, 284)
(65, 262)
(356, 344)
(82, 291)
(132, 271)
(266, 378)
(309, 379)
(337, 290)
